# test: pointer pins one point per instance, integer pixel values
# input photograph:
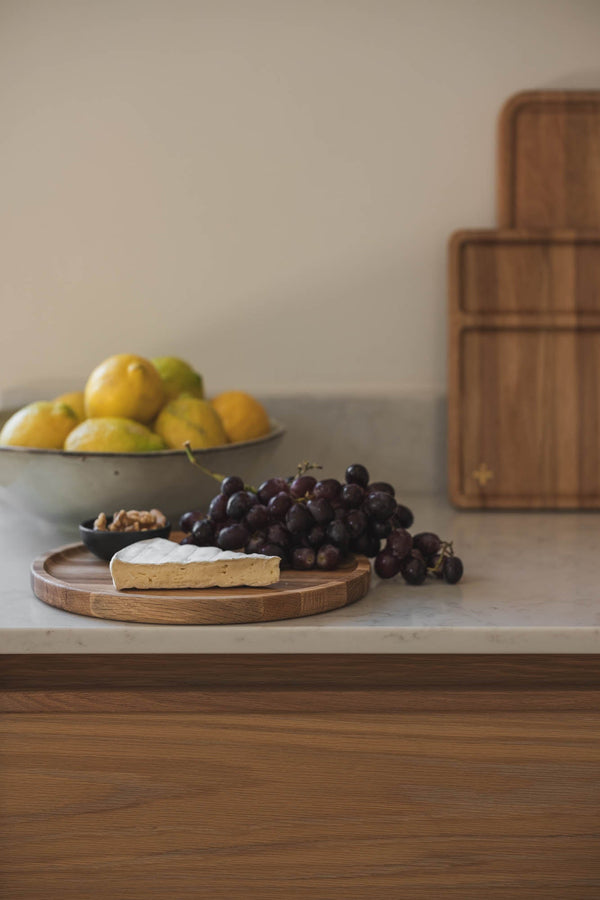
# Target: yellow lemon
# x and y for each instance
(112, 434)
(178, 377)
(42, 424)
(74, 399)
(243, 417)
(124, 386)
(190, 419)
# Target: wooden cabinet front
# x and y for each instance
(317, 777)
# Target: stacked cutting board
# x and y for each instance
(524, 323)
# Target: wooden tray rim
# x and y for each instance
(463, 238)
(44, 586)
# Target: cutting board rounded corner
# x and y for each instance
(547, 164)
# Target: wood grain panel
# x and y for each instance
(419, 781)
(288, 682)
(524, 370)
(530, 413)
(300, 805)
(519, 272)
(549, 160)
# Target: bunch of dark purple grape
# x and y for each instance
(316, 524)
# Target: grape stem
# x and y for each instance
(303, 468)
(215, 475)
(194, 462)
(306, 466)
(446, 550)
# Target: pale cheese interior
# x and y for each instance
(159, 563)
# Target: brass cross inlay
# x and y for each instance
(482, 474)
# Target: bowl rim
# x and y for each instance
(277, 430)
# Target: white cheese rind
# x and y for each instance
(161, 564)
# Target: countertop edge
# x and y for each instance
(240, 639)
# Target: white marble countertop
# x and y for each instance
(531, 585)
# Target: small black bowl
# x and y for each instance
(105, 544)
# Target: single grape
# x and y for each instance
(321, 510)
(219, 526)
(379, 506)
(298, 519)
(399, 542)
(386, 564)
(356, 522)
(416, 554)
(278, 506)
(414, 570)
(403, 517)
(240, 503)
(428, 543)
(302, 485)
(357, 474)
(316, 536)
(303, 558)
(384, 486)
(231, 485)
(255, 542)
(278, 534)
(188, 520)
(380, 529)
(352, 495)
(328, 557)
(257, 517)
(337, 534)
(204, 532)
(329, 489)
(217, 509)
(453, 569)
(365, 544)
(271, 487)
(233, 537)
(269, 549)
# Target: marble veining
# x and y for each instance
(531, 586)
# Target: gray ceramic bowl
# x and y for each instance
(66, 488)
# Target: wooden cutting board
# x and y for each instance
(71, 578)
(549, 160)
(524, 369)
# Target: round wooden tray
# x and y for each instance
(71, 578)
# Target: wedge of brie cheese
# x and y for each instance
(159, 563)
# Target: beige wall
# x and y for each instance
(264, 187)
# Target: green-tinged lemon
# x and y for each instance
(124, 386)
(74, 399)
(43, 424)
(178, 377)
(112, 434)
(243, 417)
(190, 419)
